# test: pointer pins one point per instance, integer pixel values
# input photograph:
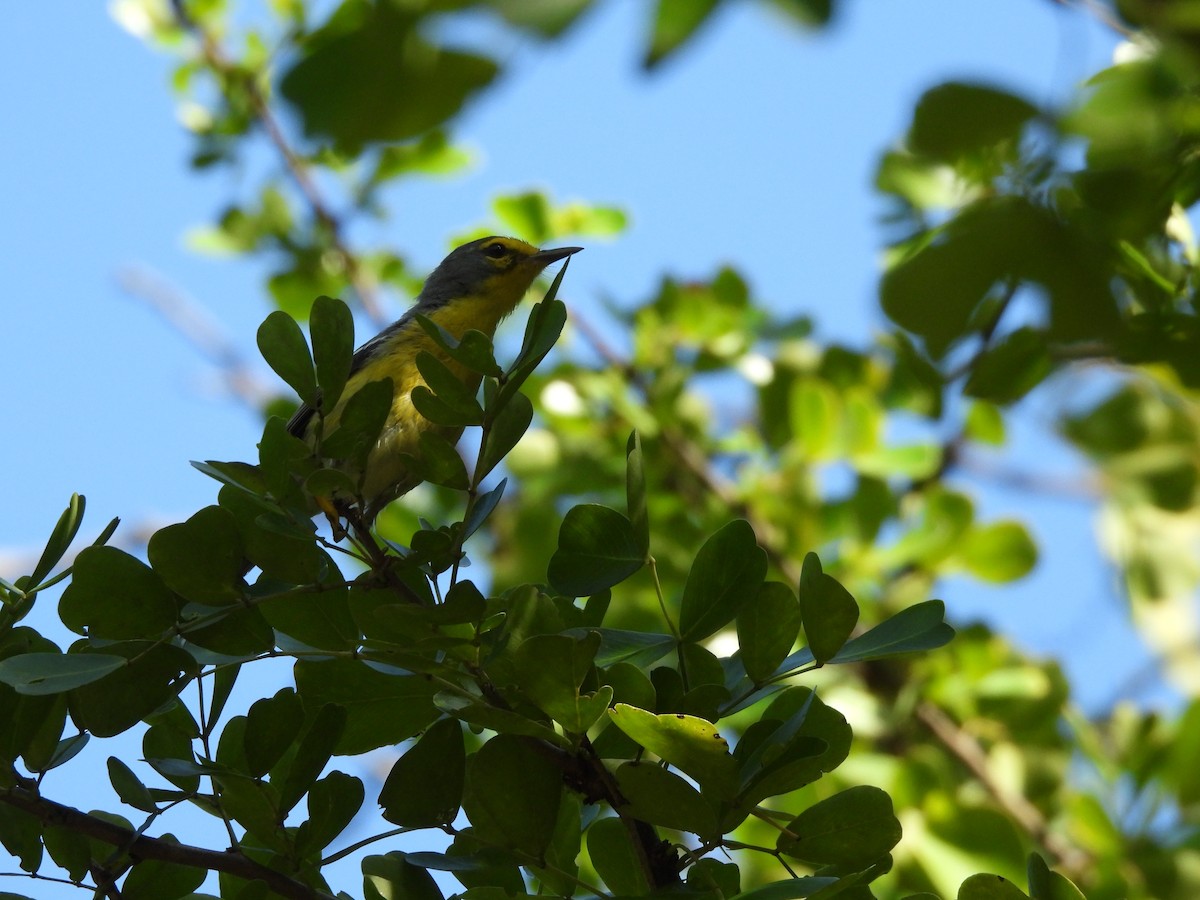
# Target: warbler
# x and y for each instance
(475, 287)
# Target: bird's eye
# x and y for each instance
(496, 250)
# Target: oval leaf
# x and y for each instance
(282, 345)
(729, 570)
(597, 548)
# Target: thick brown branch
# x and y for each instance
(140, 847)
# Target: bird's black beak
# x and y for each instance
(545, 257)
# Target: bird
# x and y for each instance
(474, 288)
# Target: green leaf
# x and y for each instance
(152, 675)
(508, 424)
(482, 509)
(853, 828)
(954, 120)
(313, 752)
(60, 540)
(814, 410)
(999, 552)
(728, 571)
(431, 154)
(675, 23)
(64, 751)
(287, 559)
(360, 421)
(333, 801)
(253, 804)
(512, 794)
(380, 80)
(69, 849)
(200, 559)
(319, 619)
(920, 627)
(985, 423)
(114, 596)
(438, 462)
(425, 786)
(663, 798)
(550, 668)
(393, 877)
(156, 880)
(450, 390)
(272, 725)
(439, 412)
(767, 628)
(1045, 884)
(36, 674)
(545, 324)
(21, 835)
(812, 13)
(798, 739)
(332, 327)
(597, 548)
(616, 859)
(240, 475)
(163, 746)
(237, 632)
(548, 18)
(472, 351)
(691, 744)
(129, 787)
(639, 648)
(527, 215)
(1011, 367)
(381, 709)
(635, 491)
(503, 721)
(990, 887)
(710, 874)
(558, 877)
(828, 610)
(282, 345)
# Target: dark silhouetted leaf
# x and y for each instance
(828, 610)
(597, 548)
(853, 828)
(728, 571)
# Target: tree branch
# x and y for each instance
(140, 847)
(967, 750)
(189, 319)
(957, 742)
(296, 167)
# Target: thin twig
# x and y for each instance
(192, 322)
(968, 751)
(296, 167)
(1102, 14)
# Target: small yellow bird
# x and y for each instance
(475, 287)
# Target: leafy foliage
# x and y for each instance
(642, 696)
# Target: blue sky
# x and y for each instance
(105, 398)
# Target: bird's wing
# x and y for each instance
(298, 424)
